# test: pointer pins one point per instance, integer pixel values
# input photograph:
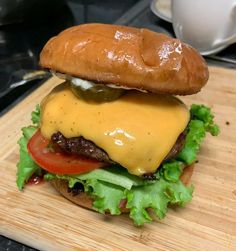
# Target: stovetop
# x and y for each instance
(21, 43)
(19, 48)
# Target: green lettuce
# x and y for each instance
(142, 195)
(202, 121)
(156, 196)
(172, 170)
(35, 116)
(113, 186)
(115, 174)
(26, 167)
(204, 114)
(107, 196)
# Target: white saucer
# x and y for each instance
(162, 8)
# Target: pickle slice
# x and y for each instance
(90, 91)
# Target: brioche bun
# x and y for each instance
(85, 201)
(128, 57)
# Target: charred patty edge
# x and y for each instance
(81, 146)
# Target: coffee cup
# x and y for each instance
(207, 25)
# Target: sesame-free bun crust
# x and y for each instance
(85, 201)
(128, 57)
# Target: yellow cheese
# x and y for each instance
(137, 130)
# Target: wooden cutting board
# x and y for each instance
(41, 218)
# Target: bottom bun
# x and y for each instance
(85, 201)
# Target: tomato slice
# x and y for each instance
(58, 162)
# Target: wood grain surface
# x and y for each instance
(41, 218)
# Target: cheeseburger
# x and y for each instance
(113, 137)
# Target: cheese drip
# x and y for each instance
(137, 130)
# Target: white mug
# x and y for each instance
(207, 25)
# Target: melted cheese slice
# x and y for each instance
(137, 130)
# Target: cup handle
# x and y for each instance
(231, 39)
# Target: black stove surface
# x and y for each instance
(20, 45)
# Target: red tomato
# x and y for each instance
(57, 162)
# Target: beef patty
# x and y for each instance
(79, 146)
(82, 146)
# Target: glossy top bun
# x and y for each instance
(125, 56)
(85, 201)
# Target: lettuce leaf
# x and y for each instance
(156, 196)
(115, 174)
(204, 114)
(142, 196)
(202, 121)
(35, 116)
(107, 196)
(26, 167)
(172, 170)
